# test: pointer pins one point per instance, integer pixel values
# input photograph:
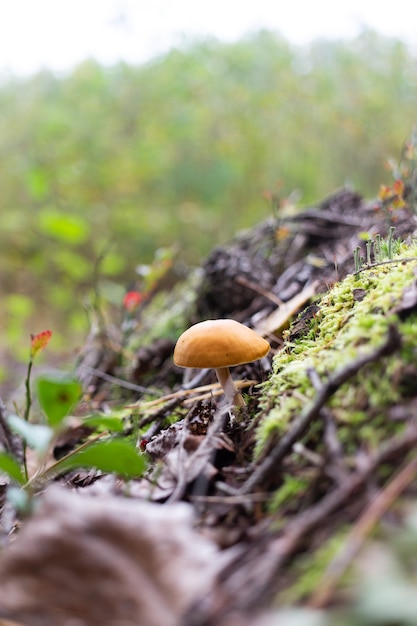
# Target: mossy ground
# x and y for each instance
(353, 318)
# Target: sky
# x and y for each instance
(58, 34)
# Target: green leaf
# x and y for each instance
(38, 183)
(37, 436)
(57, 396)
(105, 422)
(115, 456)
(11, 467)
(70, 229)
(20, 499)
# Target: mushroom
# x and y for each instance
(220, 344)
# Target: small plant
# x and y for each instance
(357, 259)
(378, 250)
(38, 343)
(131, 301)
(403, 192)
(105, 450)
(390, 246)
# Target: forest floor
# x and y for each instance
(286, 510)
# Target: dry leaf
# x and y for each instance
(279, 319)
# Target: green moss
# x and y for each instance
(291, 488)
(353, 319)
(307, 570)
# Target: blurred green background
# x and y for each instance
(116, 162)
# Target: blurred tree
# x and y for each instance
(180, 150)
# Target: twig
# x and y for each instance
(213, 388)
(333, 446)
(360, 532)
(162, 411)
(259, 581)
(387, 262)
(259, 290)
(300, 426)
(255, 497)
(26, 414)
(196, 378)
(119, 381)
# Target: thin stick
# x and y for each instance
(360, 532)
(336, 465)
(388, 262)
(260, 583)
(118, 381)
(259, 290)
(214, 388)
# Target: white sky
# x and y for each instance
(60, 33)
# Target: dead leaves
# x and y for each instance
(104, 560)
(186, 452)
(280, 318)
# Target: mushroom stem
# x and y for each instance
(230, 391)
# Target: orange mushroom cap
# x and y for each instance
(219, 343)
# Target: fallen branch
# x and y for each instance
(256, 568)
(361, 531)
